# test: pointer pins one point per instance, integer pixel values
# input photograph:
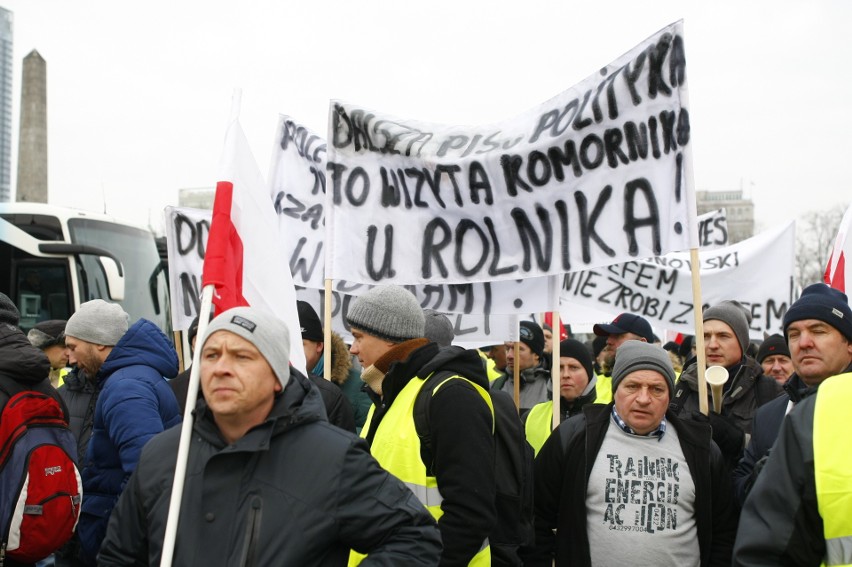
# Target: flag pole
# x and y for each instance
(326, 333)
(186, 433)
(556, 325)
(701, 363)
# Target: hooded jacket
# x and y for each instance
(22, 366)
(292, 491)
(462, 441)
(135, 403)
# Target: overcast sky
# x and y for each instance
(139, 92)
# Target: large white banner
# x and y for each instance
(297, 182)
(757, 272)
(595, 176)
(468, 305)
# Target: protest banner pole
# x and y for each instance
(555, 323)
(185, 434)
(516, 374)
(178, 336)
(326, 332)
(703, 406)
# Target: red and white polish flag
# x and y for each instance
(837, 272)
(244, 258)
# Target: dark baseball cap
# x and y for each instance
(626, 323)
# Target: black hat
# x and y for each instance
(685, 350)
(823, 303)
(310, 323)
(598, 345)
(533, 337)
(774, 344)
(8, 311)
(575, 349)
(46, 334)
(672, 346)
(626, 323)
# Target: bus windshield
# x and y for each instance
(146, 289)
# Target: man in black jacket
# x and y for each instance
(269, 480)
(820, 348)
(456, 481)
(630, 484)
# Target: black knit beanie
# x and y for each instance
(577, 350)
(823, 303)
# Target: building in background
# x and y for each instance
(199, 198)
(6, 72)
(32, 137)
(739, 210)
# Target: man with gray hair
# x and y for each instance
(629, 483)
(128, 367)
(452, 471)
(269, 480)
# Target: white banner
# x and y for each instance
(595, 176)
(757, 272)
(297, 183)
(186, 233)
(186, 242)
(713, 229)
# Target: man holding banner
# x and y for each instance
(747, 388)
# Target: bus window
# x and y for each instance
(42, 291)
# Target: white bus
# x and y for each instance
(52, 259)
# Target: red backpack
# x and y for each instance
(40, 485)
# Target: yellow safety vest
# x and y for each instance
(603, 389)
(833, 467)
(396, 447)
(539, 424)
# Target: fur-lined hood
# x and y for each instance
(341, 362)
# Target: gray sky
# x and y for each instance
(139, 93)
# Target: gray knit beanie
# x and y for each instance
(389, 312)
(438, 328)
(639, 355)
(265, 331)
(9, 313)
(98, 322)
(736, 316)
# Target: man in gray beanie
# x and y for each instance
(127, 367)
(588, 465)
(726, 338)
(389, 340)
(262, 449)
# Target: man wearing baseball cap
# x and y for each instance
(625, 327)
(270, 481)
(588, 507)
(534, 376)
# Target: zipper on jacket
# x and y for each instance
(249, 558)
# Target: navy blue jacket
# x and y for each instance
(135, 403)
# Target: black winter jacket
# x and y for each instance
(781, 524)
(293, 491)
(562, 470)
(80, 396)
(22, 366)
